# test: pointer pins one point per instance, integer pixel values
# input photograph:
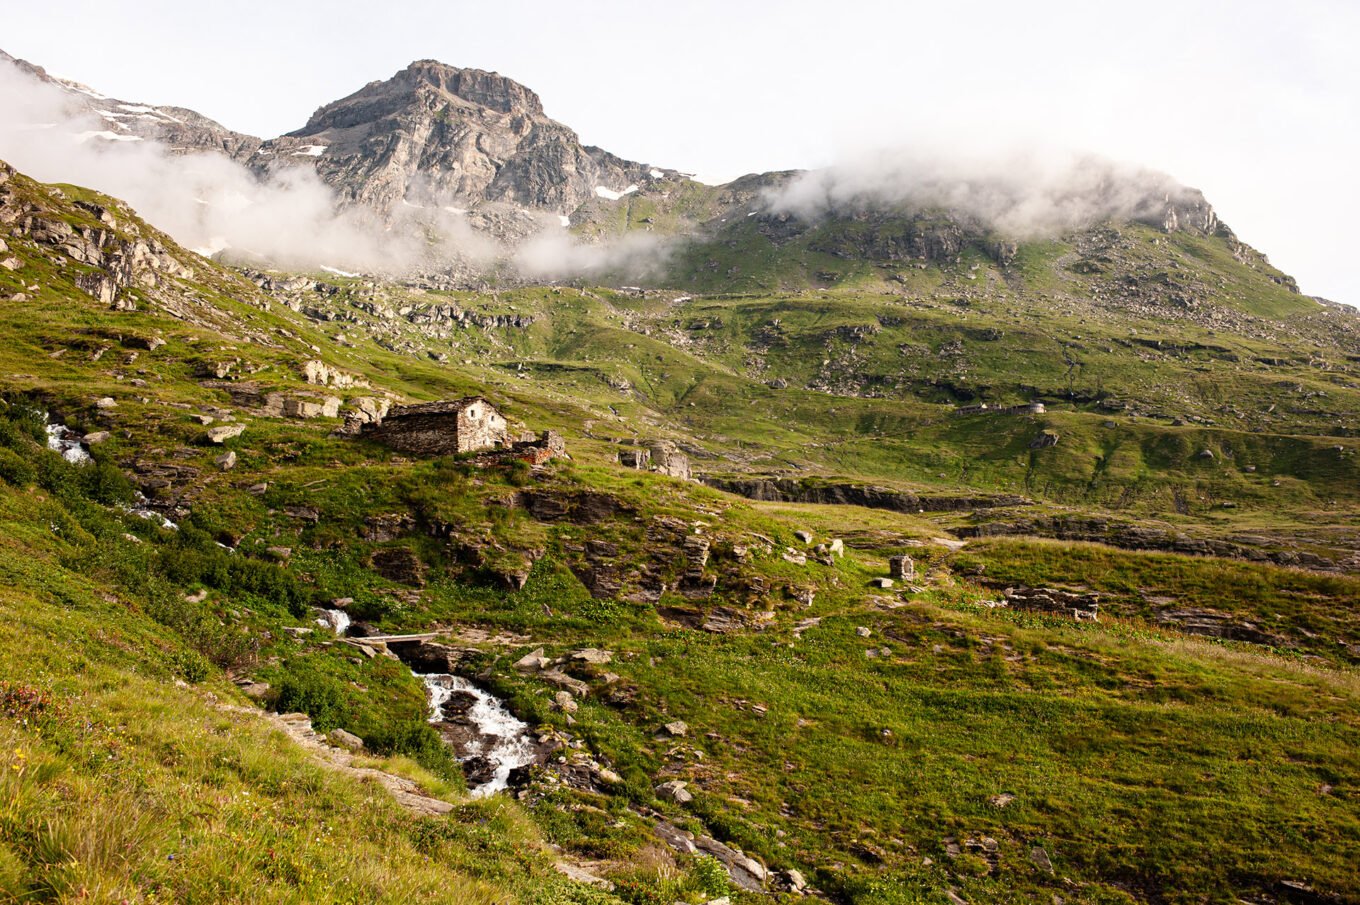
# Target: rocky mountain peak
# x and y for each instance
(427, 86)
(487, 89)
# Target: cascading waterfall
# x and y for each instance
(337, 621)
(62, 439)
(502, 739)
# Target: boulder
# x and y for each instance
(348, 740)
(674, 791)
(222, 433)
(532, 660)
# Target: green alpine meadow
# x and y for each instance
(590, 534)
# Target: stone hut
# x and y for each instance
(463, 425)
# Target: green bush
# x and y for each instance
(319, 696)
(14, 469)
(419, 741)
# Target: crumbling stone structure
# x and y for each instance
(463, 425)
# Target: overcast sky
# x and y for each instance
(1255, 102)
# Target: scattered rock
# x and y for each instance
(535, 659)
(226, 461)
(347, 740)
(677, 728)
(883, 583)
(803, 536)
(565, 702)
(592, 655)
(674, 791)
(225, 432)
(1039, 858)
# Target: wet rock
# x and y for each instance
(479, 770)
(422, 656)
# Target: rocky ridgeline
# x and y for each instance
(114, 260)
(796, 490)
(463, 136)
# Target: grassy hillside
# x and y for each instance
(917, 743)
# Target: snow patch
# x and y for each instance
(311, 151)
(564, 220)
(338, 272)
(82, 89)
(657, 174)
(108, 136)
(613, 195)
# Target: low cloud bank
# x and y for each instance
(1023, 194)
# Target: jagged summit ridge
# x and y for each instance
(478, 87)
(438, 135)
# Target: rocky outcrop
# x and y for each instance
(1164, 538)
(793, 490)
(1053, 600)
(177, 128)
(435, 136)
